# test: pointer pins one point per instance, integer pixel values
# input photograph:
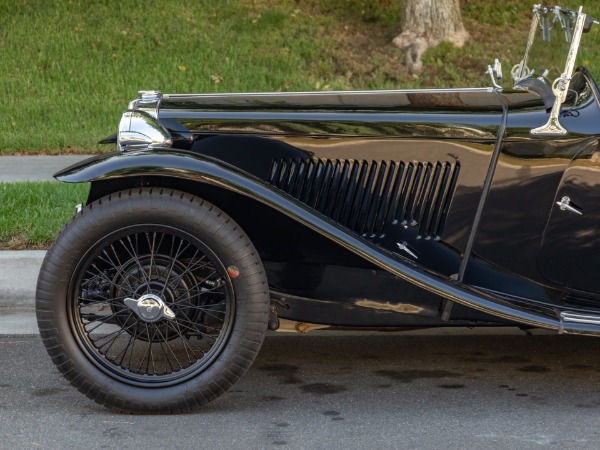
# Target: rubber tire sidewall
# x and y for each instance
(175, 209)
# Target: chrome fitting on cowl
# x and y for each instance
(147, 101)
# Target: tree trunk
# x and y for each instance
(426, 23)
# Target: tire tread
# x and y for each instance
(239, 352)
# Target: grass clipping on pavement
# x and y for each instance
(32, 213)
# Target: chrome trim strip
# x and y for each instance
(325, 93)
(580, 318)
(567, 318)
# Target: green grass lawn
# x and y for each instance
(69, 67)
(32, 213)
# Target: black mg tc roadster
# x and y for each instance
(222, 216)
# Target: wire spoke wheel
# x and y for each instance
(126, 279)
(152, 301)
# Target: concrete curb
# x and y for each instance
(18, 277)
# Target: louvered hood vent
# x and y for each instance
(368, 196)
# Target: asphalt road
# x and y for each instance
(373, 391)
(357, 391)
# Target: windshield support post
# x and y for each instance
(560, 86)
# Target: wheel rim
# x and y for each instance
(123, 294)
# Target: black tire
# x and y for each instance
(144, 245)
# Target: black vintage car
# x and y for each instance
(222, 216)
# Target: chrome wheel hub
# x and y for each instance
(149, 308)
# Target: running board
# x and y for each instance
(574, 323)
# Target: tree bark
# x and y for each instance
(426, 23)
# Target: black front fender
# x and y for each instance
(203, 169)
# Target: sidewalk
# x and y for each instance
(35, 168)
